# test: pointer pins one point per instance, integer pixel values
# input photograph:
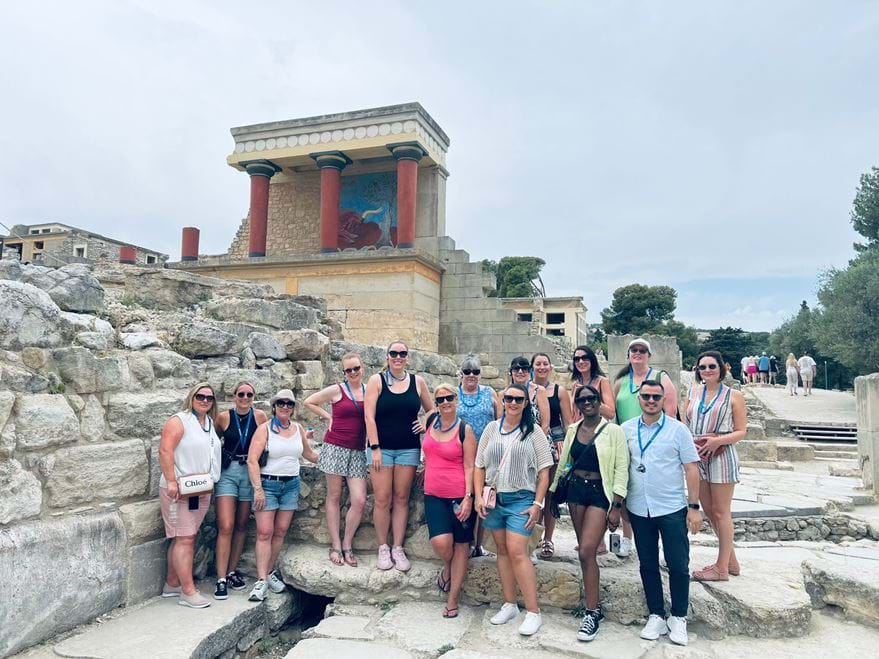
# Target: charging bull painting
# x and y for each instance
(368, 211)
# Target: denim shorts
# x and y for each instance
(587, 493)
(403, 457)
(507, 514)
(281, 495)
(234, 482)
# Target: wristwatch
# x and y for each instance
(374, 447)
(617, 504)
(539, 504)
(694, 506)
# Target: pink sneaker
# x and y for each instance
(384, 558)
(400, 561)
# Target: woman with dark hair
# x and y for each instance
(513, 460)
(392, 402)
(521, 374)
(559, 401)
(595, 455)
(585, 370)
(233, 492)
(718, 418)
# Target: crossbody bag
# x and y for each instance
(198, 484)
(489, 492)
(561, 489)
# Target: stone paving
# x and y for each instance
(822, 407)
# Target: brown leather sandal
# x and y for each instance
(710, 573)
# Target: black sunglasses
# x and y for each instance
(471, 371)
(514, 399)
(654, 397)
(353, 369)
(204, 398)
(445, 399)
(394, 354)
(707, 367)
(245, 394)
(586, 400)
(519, 368)
(581, 358)
(643, 351)
(285, 403)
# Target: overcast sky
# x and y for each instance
(715, 147)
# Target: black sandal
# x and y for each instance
(444, 584)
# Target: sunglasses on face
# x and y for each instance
(519, 369)
(514, 399)
(580, 358)
(642, 351)
(471, 371)
(204, 398)
(285, 403)
(353, 369)
(707, 367)
(245, 394)
(445, 399)
(654, 397)
(395, 354)
(586, 400)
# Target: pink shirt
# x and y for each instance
(443, 467)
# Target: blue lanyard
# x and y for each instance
(702, 408)
(351, 393)
(242, 436)
(500, 426)
(631, 379)
(652, 437)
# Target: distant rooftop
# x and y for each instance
(26, 231)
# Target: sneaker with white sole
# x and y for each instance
(171, 591)
(384, 558)
(276, 583)
(530, 624)
(677, 630)
(589, 626)
(401, 562)
(508, 611)
(235, 580)
(221, 592)
(259, 592)
(194, 601)
(654, 628)
(625, 547)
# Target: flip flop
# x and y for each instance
(547, 549)
(350, 557)
(443, 584)
(711, 573)
(335, 556)
(450, 612)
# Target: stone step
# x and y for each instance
(847, 578)
(825, 453)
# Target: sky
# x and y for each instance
(714, 147)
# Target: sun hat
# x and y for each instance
(283, 394)
(640, 341)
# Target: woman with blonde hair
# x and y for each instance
(792, 371)
(190, 458)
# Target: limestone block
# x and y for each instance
(92, 340)
(265, 346)
(404, 626)
(304, 344)
(151, 446)
(15, 376)
(43, 421)
(7, 400)
(86, 373)
(845, 582)
(92, 424)
(72, 287)
(167, 363)
(279, 609)
(140, 368)
(261, 380)
(355, 628)
(311, 374)
(283, 314)
(558, 584)
(22, 493)
(74, 568)
(29, 317)
(867, 406)
(757, 451)
(147, 565)
(80, 474)
(143, 414)
(142, 520)
(139, 340)
(795, 451)
(201, 339)
(320, 648)
(755, 431)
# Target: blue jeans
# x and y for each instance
(508, 514)
(281, 495)
(234, 482)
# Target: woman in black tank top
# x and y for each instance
(392, 402)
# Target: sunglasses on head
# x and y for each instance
(654, 397)
(204, 398)
(707, 367)
(471, 371)
(394, 354)
(580, 358)
(445, 399)
(285, 403)
(586, 400)
(519, 369)
(639, 350)
(245, 394)
(353, 369)
(514, 399)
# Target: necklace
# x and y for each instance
(632, 377)
(206, 430)
(464, 399)
(500, 427)
(390, 376)
(702, 408)
(438, 424)
(277, 423)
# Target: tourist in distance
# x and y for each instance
(342, 456)
(744, 371)
(449, 452)
(718, 418)
(752, 369)
(625, 392)
(773, 370)
(792, 373)
(595, 473)
(392, 402)
(559, 402)
(763, 368)
(585, 370)
(513, 460)
(807, 368)
(189, 447)
(477, 405)
(521, 374)
(275, 479)
(234, 492)
(662, 454)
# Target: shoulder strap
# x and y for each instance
(500, 464)
(462, 430)
(594, 437)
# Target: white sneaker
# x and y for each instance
(508, 611)
(259, 592)
(677, 630)
(194, 601)
(276, 583)
(654, 628)
(625, 547)
(531, 624)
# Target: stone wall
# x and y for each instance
(97, 249)
(867, 403)
(665, 355)
(831, 527)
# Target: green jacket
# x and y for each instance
(613, 458)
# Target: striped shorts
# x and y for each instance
(723, 467)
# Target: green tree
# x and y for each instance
(639, 309)
(865, 210)
(733, 343)
(517, 276)
(688, 340)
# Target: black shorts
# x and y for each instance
(587, 493)
(441, 519)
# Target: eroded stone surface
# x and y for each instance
(80, 474)
(321, 648)
(419, 628)
(849, 582)
(22, 493)
(29, 317)
(43, 421)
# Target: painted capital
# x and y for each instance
(331, 159)
(407, 151)
(261, 168)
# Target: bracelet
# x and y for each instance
(539, 504)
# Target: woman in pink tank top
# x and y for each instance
(449, 453)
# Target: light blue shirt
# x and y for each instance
(659, 489)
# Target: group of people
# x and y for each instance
(759, 369)
(616, 455)
(763, 369)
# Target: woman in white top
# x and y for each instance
(189, 446)
(275, 482)
(792, 372)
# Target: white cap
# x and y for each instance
(283, 394)
(640, 341)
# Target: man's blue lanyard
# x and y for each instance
(242, 436)
(652, 437)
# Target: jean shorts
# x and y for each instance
(234, 482)
(507, 514)
(281, 495)
(403, 457)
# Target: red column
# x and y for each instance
(407, 155)
(260, 172)
(189, 244)
(128, 255)
(331, 164)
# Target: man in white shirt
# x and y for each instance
(807, 372)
